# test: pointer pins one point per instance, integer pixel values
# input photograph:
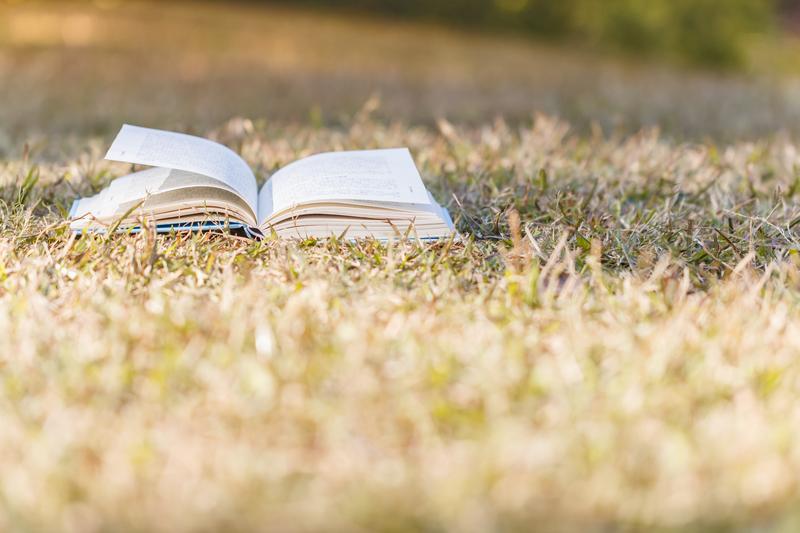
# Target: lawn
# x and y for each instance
(611, 342)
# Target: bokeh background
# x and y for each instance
(727, 69)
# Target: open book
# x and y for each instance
(199, 184)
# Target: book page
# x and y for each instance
(265, 208)
(127, 188)
(388, 175)
(157, 148)
(154, 185)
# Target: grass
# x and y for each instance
(610, 344)
(76, 67)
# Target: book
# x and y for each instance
(198, 184)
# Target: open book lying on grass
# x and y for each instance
(200, 184)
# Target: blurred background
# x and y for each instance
(694, 68)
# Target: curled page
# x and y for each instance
(157, 148)
(127, 188)
(388, 175)
(265, 202)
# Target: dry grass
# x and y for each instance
(624, 355)
(612, 344)
(73, 67)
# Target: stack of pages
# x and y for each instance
(199, 184)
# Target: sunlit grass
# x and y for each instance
(612, 340)
(75, 67)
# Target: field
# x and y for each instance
(611, 343)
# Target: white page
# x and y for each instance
(388, 175)
(265, 202)
(135, 186)
(127, 188)
(157, 148)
